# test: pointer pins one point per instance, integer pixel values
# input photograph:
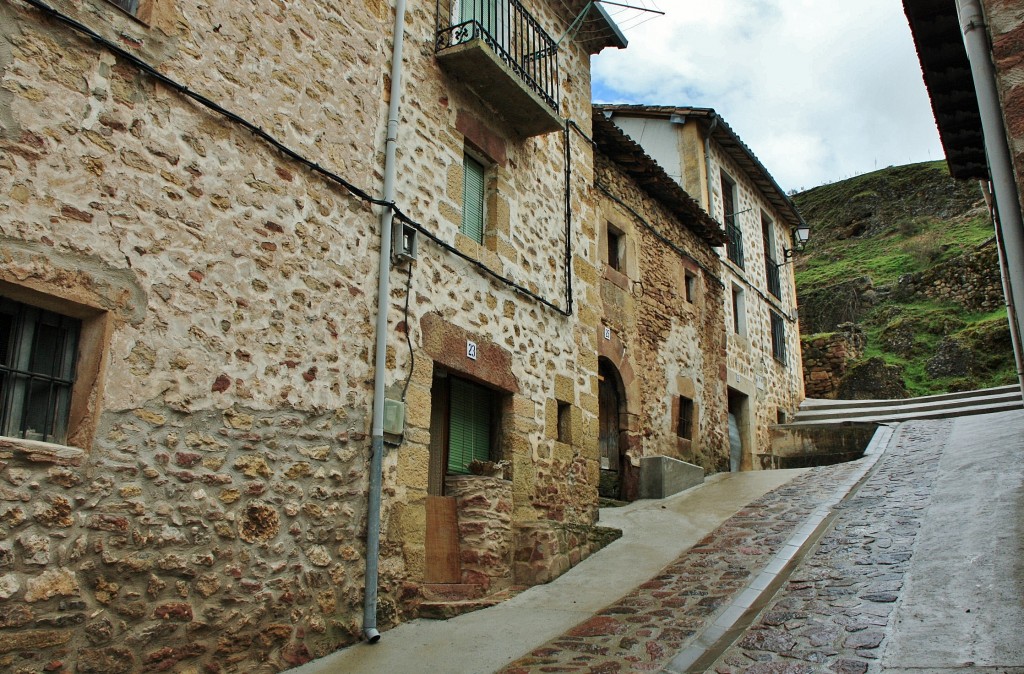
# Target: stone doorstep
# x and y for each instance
(445, 609)
(445, 592)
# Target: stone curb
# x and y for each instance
(729, 622)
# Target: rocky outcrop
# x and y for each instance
(970, 280)
(873, 379)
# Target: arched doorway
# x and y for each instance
(611, 397)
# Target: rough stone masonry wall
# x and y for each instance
(667, 338)
(826, 358)
(551, 357)
(216, 522)
(971, 280)
(778, 386)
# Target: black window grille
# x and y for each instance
(37, 371)
(684, 428)
(778, 338)
(771, 268)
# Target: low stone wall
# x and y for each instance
(827, 357)
(971, 280)
(546, 550)
(484, 506)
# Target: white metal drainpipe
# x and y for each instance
(972, 21)
(370, 632)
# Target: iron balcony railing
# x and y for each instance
(734, 242)
(511, 33)
(773, 277)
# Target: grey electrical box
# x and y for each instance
(394, 417)
(404, 241)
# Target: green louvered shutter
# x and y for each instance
(469, 430)
(473, 199)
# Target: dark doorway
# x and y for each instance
(737, 428)
(611, 411)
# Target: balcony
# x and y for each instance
(500, 51)
(734, 243)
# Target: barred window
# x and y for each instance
(684, 425)
(37, 371)
(778, 338)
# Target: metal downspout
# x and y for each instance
(1010, 224)
(370, 632)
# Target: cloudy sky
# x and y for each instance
(820, 90)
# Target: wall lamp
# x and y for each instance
(800, 236)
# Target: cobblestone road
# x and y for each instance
(645, 629)
(829, 616)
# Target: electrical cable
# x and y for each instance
(284, 149)
(408, 332)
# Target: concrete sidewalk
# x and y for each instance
(655, 533)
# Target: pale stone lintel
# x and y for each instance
(40, 452)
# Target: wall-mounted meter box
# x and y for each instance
(394, 417)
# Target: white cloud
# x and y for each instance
(819, 90)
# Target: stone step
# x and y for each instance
(912, 405)
(881, 416)
(446, 592)
(820, 403)
(443, 610)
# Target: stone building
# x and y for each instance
(971, 58)
(661, 387)
(763, 369)
(189, 246)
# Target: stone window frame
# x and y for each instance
(90, 359)
(622, 227)
(739, 311)
(691, 285)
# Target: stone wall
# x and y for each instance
(484, 506)
(662, 345)
(212, 514)
(770, 386)
(971, 280)
(1006, 28)
(827, 358)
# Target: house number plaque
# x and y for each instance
(470, 350)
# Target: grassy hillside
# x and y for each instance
(898, 221)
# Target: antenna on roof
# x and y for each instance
(618, 17)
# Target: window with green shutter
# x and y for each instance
(473, 199)
(469, 425)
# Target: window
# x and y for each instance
(615, 252)
(684, 425)
(473, 182)
(739, 311)
(734, 243)
(771, 267)
(564, 422)
(140, 9)
(778, 338)
(463, 418)
(37, 371)
(492, 16)
(690, 281)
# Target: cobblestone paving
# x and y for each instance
(645, 629)
(831, 614)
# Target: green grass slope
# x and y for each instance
(897, 221)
